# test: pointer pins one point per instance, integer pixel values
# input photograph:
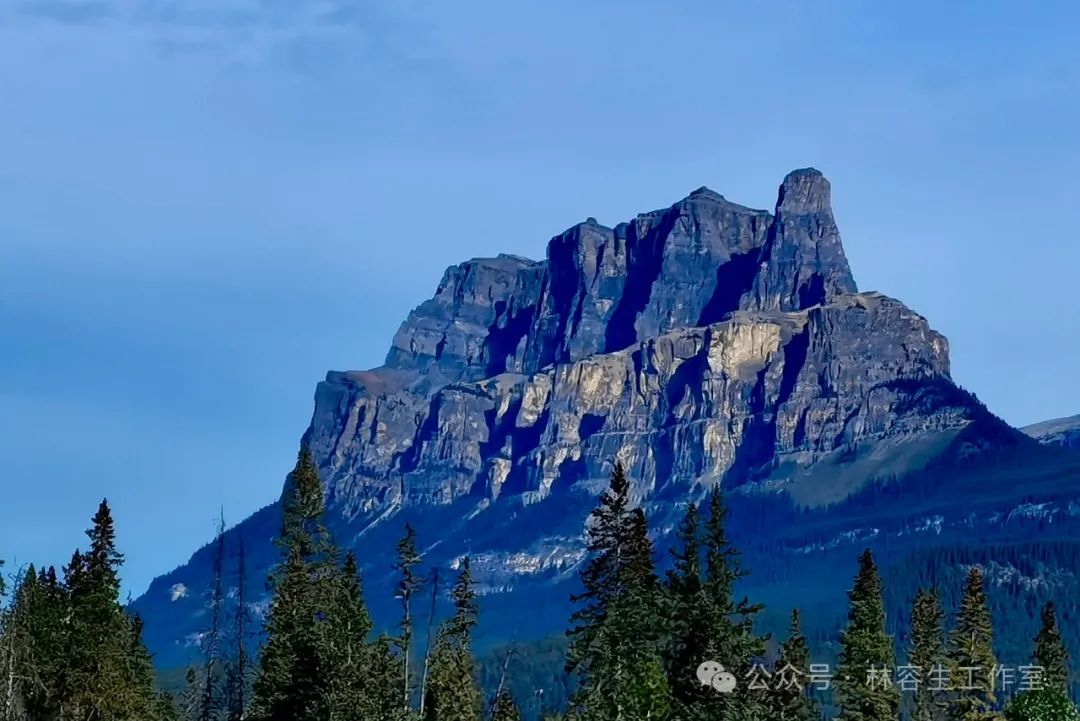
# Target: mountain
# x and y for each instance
(1058, 432)
(699, 344)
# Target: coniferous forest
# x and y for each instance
(650, 639)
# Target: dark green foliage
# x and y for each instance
(1050, 651)
(614, 643)
(926, 652)
(451, 693)
(70, 651)
(1042, 705)
(504, 708)
(971, 655)
(866, 650)
(789, 698)
(686, 641)
(728, 628)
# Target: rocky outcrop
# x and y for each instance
(1064, 432)
(699, 344)
(702, 343)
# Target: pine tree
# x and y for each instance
(971, 655)
(1050, 652)
(409, 584)
(614, 642)
(926, 653)
(288, 682)
(790, 700)
(729, 622)
(866, 652)
(452, 691)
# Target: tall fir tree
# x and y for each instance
(409, 584)
(1050, 652)
(614, 640)
(452, 691)
(789, 699)
(927, 653)
(971, 655)
(239, 665)
(344, 646)
(729, 620)
(686, 639)
(288, 681)
(504, 708)
(108, 674)
(864, 690)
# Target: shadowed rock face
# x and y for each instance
(705, 342)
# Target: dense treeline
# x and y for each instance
(644, 644)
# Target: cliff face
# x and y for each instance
(705, 343)
(700, 343)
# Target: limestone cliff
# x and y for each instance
(703, 342)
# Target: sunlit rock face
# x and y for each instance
(706, 343)
(700, 343)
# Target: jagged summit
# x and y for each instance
(704, 343)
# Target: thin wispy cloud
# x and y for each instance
(307, 35)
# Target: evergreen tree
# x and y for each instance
(409, 584)
(108, 674)
(866, 653)
(790, 698)
(212, 702)
(452, 691)
(614, 642)
(1050, 652)
(729, 621)
(686, 639)
(504, 708)
(927, 652)
(236, 674)
(288, 682)
(1046, 704)
(971, 655)
(342, 638)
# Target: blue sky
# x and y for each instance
(209, 203)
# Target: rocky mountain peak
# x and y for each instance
(702, 342)
(804, 191)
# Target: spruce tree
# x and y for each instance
(237, 671)
(614, 641)
(452, 691)
(505, 708)
(729, 620)
(866, 652)
(686, 638)
(926, 653)
(971, 655)
(288, 682)
(344, 646)
(790, 699)
(409, 584)
(1050, 652)
(108, 671)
